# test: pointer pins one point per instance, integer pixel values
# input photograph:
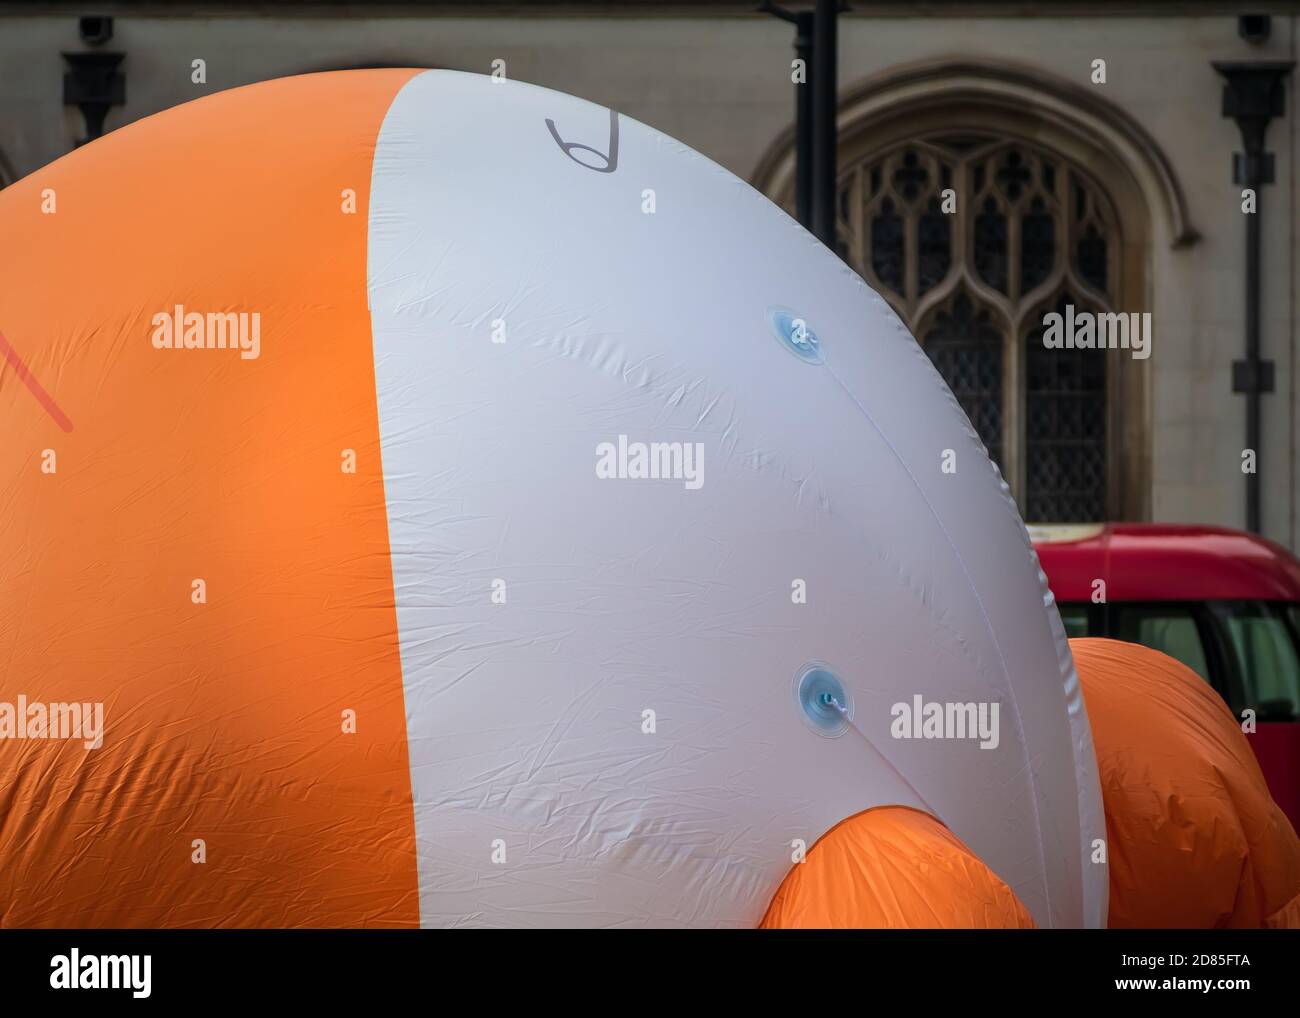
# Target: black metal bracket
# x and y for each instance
(768, 7)
(94, 85)
(1255, 28)
(95, 29)
(1252, 96)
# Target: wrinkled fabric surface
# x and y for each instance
(893, 868)
(533, 477)
(1193, 836)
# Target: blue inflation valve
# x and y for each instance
(793, 333)
(823, 700)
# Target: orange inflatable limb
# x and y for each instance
(1193, 836)
(894, 868)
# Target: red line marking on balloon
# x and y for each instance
(42, 397)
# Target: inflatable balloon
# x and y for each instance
(1186, 804)
(437, 500)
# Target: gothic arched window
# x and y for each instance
(973, 238)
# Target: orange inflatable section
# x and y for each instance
(893, 868)
(1194, 838)
(226, 791)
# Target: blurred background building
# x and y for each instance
(1086, 144)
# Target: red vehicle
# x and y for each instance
(1225, 603)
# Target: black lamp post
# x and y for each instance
(803, 111)
(816, 105)
(1253, 96)
(825, 128)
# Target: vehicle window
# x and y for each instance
(1263, 641)
(1170, 629)
(1074, 616)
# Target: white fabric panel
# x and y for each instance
(626, 595)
